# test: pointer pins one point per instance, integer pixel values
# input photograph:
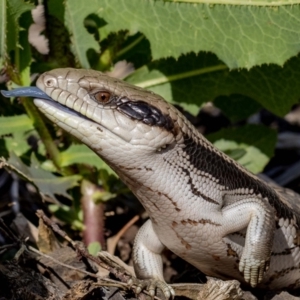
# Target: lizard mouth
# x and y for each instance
(37, 93)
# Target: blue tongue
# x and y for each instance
(30, 91)
(35, 92)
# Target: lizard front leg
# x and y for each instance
(147, 261)
(259, 218)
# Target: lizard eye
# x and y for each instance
(102, 97)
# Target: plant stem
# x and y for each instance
(130, 46)
(42, 130)
(164, 79)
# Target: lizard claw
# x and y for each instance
(152, 286)
(253, 270)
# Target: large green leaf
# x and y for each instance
(240, 35)
(75, 13)
(195, 79)
(237, 107)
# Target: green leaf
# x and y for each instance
(57, 9)
(59, 37)
(3, 22)
(271, 3)
(251, 145)
(195, 79)
(18, 7)
(103, 196)
(240, 35)
(249, 156)
(23, 54)
(16, 143)
(19, 128)
(82, 154)
(237, 107)
(44, 181)
(82, 41)
(94, 248)
(15, 9)
(15, 124)
(10, 30)
(50, 184)
(68, 215)
(16, 40)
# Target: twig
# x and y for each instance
(7, 247)
(82, 250)
(43, 131)
(113, 282)
(8, 232)
(20, 251)
(119, 272)
(112, 243)
(61, 263)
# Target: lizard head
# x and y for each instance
(105, 113)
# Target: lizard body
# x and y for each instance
(202, 205)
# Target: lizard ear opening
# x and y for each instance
(102, 97)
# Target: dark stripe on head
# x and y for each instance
(146, 113)
(231, 177)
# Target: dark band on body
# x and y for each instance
(230, 176)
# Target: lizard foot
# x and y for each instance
(253, 269)
(152, 286)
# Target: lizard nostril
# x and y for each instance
(50, 82)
